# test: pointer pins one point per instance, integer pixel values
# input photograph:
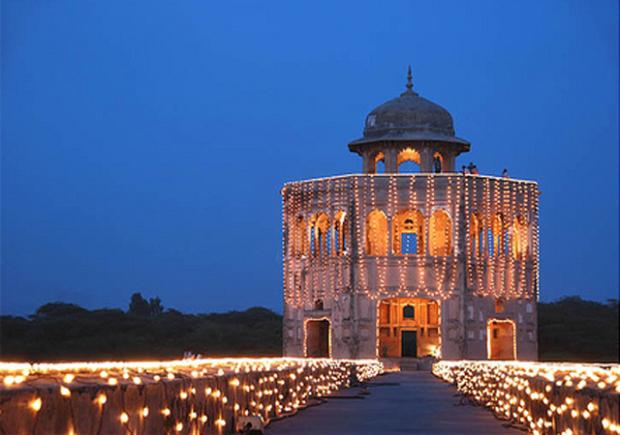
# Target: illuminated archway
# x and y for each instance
(408, 155)
(319, 234)
(376, 233)
(340, 233)
(378, 163)
(438, 165)
(408, 233)
(440, 237)
(501, 339)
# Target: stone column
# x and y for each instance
(391, 163)
(448, 162)
(426, 159)
(368, 163)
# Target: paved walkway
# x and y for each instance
(398, 403)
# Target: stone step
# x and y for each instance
(409, 366)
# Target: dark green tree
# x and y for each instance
(155, 306)
(139, 306)
(58, 309)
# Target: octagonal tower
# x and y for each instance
(410, 265)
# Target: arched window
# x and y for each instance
(318, 234)
(519, 238)
(408, 155)
(440, 237)
(437, 163)
(408, 233)
(408, 312)
(318, 304)
(376, 233)
(321, 234)
(299, 241)
(379, 163)
(476, 235)
(339, 233)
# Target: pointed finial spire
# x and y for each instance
(409, 80)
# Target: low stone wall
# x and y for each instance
(545, 398)
(187, 396)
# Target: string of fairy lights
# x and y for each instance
(490, 222)
(544, 398)
(183, 396)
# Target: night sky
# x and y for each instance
(144, 143)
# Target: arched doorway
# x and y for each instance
(407, 327)
(318, 335)
(501, 339)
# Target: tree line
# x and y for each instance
(570, 329)
(60, 331)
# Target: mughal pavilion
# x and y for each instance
(410, 258)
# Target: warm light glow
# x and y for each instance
(267, 381)
(101, 399)
(68, 378)
(36, 404)
(530, 393)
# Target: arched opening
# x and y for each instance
(408, 233)
(299, 241)
(379, 163)
(318, 304)
(319, 238)
(475, 235)
(376, 233)
(380, 168)
(340, 233)
(437, 163)
(519, 238)
(408, 327)
(496, 242)
(408, 161)
(317, 337)
(440, 237)
(501, 340)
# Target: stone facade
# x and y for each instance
(434, 263)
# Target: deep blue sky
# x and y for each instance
(144, 143)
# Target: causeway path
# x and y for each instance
(398, 403)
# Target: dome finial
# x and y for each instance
(409, 80)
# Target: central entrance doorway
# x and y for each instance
(407, 327)
(409, 344)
